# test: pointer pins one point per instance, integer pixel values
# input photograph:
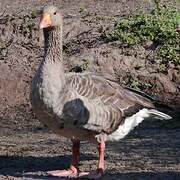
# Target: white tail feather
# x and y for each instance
(133, 121)
(158, 115)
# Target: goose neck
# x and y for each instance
(53, 44)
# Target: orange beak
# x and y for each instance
(45, 21)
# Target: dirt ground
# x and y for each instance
(27, 148)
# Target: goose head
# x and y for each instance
(51, 17)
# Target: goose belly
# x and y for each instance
(64, 127)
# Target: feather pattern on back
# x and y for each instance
(107, 102)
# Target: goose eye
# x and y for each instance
(55, 13)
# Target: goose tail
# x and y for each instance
(158, 115)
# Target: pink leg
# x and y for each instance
(73, 170)
(100, 169)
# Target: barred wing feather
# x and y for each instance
(108, 103)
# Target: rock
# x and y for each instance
(165, 84)
(174, 75)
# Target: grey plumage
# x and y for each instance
(85, 105)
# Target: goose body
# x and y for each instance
(85, 106)
(88, 106)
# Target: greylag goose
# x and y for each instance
(82, 106)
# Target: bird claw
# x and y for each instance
(71, 172)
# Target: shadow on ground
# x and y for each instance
(31, 167)
(16, 165)
(123, 176)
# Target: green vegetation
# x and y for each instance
(82, 67)
(84, 12)
(158, 27)
(139, 84)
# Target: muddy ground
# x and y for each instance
(27, 148)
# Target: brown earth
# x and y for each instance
(27, 149)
